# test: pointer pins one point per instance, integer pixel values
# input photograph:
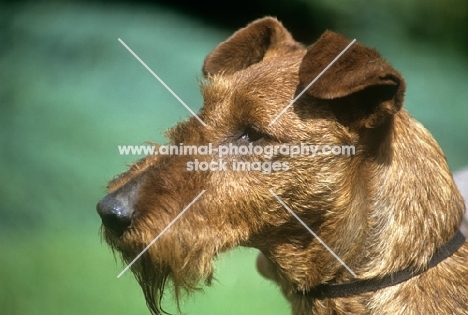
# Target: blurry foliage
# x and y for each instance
(436, 20)
(444, 21)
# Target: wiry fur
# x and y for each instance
(386, 208)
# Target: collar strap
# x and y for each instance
(335, 290)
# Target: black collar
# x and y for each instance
(335, 290)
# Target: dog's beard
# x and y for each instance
(163, 268)
(152, 280)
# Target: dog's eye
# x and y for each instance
(252, 135)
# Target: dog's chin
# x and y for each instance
(158, 274)
(153, 281)
(159, 278)
(152, 278)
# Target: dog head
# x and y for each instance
(356, 202)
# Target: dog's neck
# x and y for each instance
(357, 287)
(407, 227)
(413, 205)
(386, 231)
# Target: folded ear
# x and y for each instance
(365, 89)
(249, 46)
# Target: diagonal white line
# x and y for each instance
(312, 232)
(310, 84)
(164, 84)
(160, 234)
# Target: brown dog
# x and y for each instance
(390, 212)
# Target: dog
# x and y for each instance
(374, 231)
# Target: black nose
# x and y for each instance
(116, 215)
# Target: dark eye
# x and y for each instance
(252, 135)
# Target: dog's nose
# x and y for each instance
(115, 214)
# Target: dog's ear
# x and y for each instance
(249, 46)
(362, 88)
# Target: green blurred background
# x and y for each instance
(70, 93)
